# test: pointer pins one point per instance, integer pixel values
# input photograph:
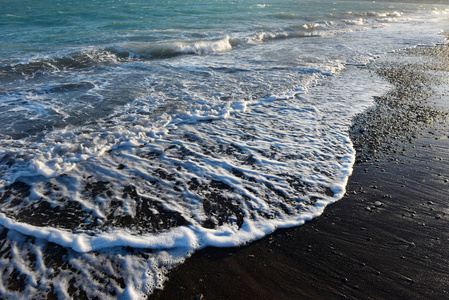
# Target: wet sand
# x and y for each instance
(387, 238)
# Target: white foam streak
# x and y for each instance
(182, 237)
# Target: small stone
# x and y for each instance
(438, 217)
(402, 257)
(251, 256)
(368, 208)
(199, 297)
(377, 204)
(344, 280)
(430, 202)
(411, 244)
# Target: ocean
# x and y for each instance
(136, 132)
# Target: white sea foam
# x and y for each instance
(194, 236)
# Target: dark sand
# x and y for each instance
(396, 248)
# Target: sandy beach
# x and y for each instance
(386, 239)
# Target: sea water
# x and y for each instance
(136, 132)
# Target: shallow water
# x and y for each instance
(134, 133)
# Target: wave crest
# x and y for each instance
(96, 57)
(171, 48)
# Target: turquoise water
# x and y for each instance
(32, 28)
(136, 132)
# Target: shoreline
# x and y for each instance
(384, 239)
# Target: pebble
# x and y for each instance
(438, 217)
(199, 297)
(377, 204)
(368, 208)
(412, 244)
(251, 256)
